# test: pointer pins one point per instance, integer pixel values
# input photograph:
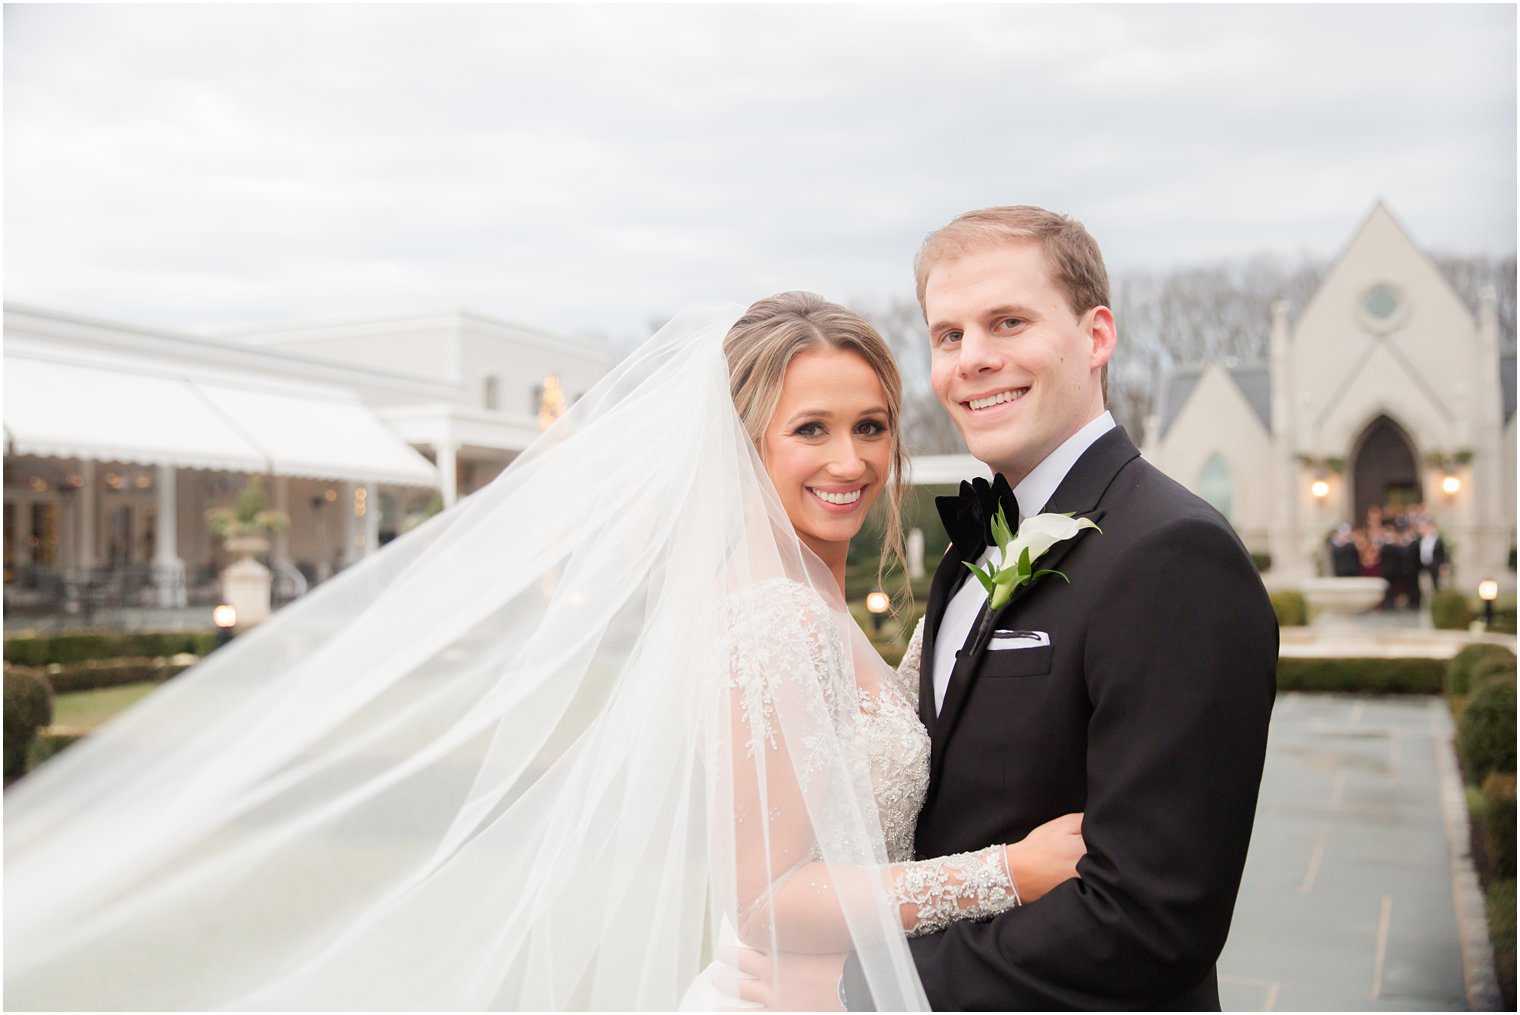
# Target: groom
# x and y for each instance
(1138, 693)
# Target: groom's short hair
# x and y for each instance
(1071, 254)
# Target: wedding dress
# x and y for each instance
(542, 753)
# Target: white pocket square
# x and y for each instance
(1003, 640)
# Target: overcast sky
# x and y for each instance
(592, 169)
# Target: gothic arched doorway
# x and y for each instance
(1383, 469)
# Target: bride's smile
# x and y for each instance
(828, 448)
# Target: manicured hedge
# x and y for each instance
(51, 742)
(1450, 611)
(28, 708)
(1499, 823)
(1463, 665)
(95, 674)
(44, 649)
(1491, 669)
(1504, 615)
(1486, 731)
(1291, 609)
(1501, 930)
(1361, 676)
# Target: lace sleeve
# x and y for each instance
(909, 668)
(781, 787)
(966, 886)
(789, 776)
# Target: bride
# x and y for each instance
(551, 750)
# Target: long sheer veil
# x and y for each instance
(505, 762)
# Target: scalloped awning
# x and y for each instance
(74, 410)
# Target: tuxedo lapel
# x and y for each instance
(1079, 493)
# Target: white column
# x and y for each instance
(1287, 562)
(448, 472)
(279, 551)
(23, 526)
(351, 535)
(87, 510)
(1487, 472)
(371, 520)
(168, 568)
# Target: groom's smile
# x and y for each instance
(989, 401)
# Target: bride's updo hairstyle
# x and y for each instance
(760, 347)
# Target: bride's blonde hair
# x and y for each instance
(761, 345)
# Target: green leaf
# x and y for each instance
(1058, 574)
(981, 576)
(1025, 564)
(1001, 533)
(1006, 576)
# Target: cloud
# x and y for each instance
(594, 168)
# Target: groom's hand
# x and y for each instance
(781, 981)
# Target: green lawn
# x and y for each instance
(88, 709)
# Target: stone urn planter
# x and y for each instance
(245, 528)
(1334, 601)
(246, 583)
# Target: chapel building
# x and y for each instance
(1387, 390)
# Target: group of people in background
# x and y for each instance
(1398, 544)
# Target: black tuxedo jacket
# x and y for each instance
(1148, 710)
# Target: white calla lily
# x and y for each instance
(1041, 532)
(1019, 551)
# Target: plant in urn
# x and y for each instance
(245, 528)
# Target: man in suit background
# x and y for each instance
(1141, 690)
(1430, 552)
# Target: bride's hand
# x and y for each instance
(781, 981)
(1046, 856)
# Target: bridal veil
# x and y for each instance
(507, 762)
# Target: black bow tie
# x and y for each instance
(968, 516)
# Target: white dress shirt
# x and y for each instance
(1033, 493)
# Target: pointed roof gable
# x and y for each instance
(1382, 233)
(1253, 380)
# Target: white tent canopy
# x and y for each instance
(74, 410)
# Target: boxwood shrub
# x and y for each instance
(1501, 930)
(1499, 823)
(28, 708)
(1491, 669)
(1361, 676)
(1449, 610)
(1486, 731)
(1291, 609)
(1459, 672)
(95, 674)
(80, 646)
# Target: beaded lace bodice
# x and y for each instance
(896, 746)
(781, 635)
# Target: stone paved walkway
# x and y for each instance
(1347, 902)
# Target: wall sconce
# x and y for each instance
(1488, 591)
(1320, 489)
(878, 603)
(1450, 485)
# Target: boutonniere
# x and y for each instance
(1020, 551)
